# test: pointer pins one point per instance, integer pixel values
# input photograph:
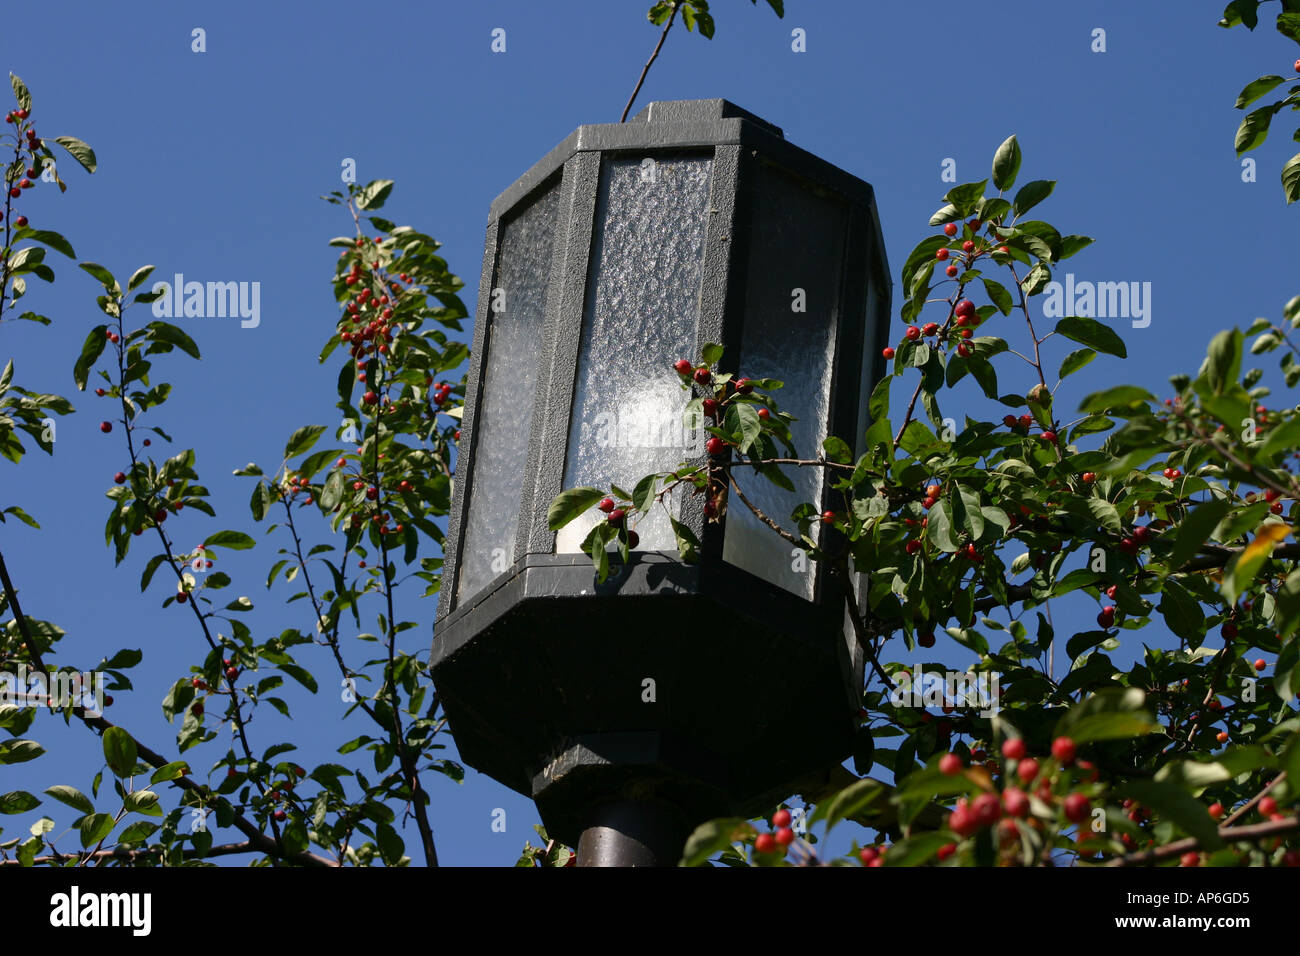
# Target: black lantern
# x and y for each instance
(633, 709)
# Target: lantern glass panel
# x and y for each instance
(791, 304)
(640, 315)
(505, 411)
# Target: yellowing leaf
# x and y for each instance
(1242, 569)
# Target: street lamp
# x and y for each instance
(632, 710)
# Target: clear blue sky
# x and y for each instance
(211, 164)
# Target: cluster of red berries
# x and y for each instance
(1173, 474)
(617, 518)
(782, 838)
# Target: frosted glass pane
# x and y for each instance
(641, 311)
(505, 413)
(798, 244)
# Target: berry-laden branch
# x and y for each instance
(1242, 834)
(153, 853)
(255, 836)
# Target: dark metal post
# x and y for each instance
(631, 833)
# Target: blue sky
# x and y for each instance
(211, 164)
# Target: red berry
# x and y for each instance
(962, 822)
(606, 505)
(20, 221)
(828, 517)
(633, 539)
(1089, 477)
(1013, 748)
(1027, 769)
(867, 854)
(926, 639)
(930, 328)
(887, 352)
(951, 271)
(683, 367)
(764, 414)
(968, 246)
(965, 307)
(781, 818)
(1297, 66)
(1010, 421)
(963, 349)
(744, 386)
(1025, 420)
(912, 546)
(950, 230)
(913, 333)
(1016, 802)
(950, 764)
(986, 809)
(765, 843)
(616, 517)
(1268, 806)
(120, 477)
(1276, 507)
(703, 376)
(1216, 810)
(1221, 736)
(1106, 617)
(105, 427)
(281, 816)
(941, 254)
(715, 445)
(369, 398)
(710, 407)
(947, 850)
(1077, 808)
(1049, 437)
(1261, 664)
(197, 709)
(1272, 495)
(1112, 591)
(1004, 250)
(1063, 749)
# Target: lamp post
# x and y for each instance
(632, 710)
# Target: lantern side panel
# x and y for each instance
(505, 413)
(792, 301)
(641, 311)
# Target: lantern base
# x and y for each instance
(631, 833)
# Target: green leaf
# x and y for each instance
(1196, 529)
(165, 332)
(1257, 88)
(1006, 164)
(142, 801)
(1112, 726)
(1254, 128)
(711, 353)
(21, 93)
(643, 493)
(1182, 612)
(688, 546)
(743, 418)
(301, 675)
(713, 837)
(1288, 24)
(1119, 397)
(19, 751)
(1173, 803)
(1105, 514)
(235, 540)
(1222, 363)
(939, 527)
(302, 440)
(91, 350)
(837, 450)
(119, 751)
(51, 239)
(999, 295)
(1076, 360)
(78, 151)
(138, 276)
(17, 801)
(72, 797)
(374, 194)
(917, 849)
(137, 832)
(95, 827)
(1090, 332)
(171, 771)
(570, 503)
(1291, 179)
(1031, 194)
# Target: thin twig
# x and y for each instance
(646, 69)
